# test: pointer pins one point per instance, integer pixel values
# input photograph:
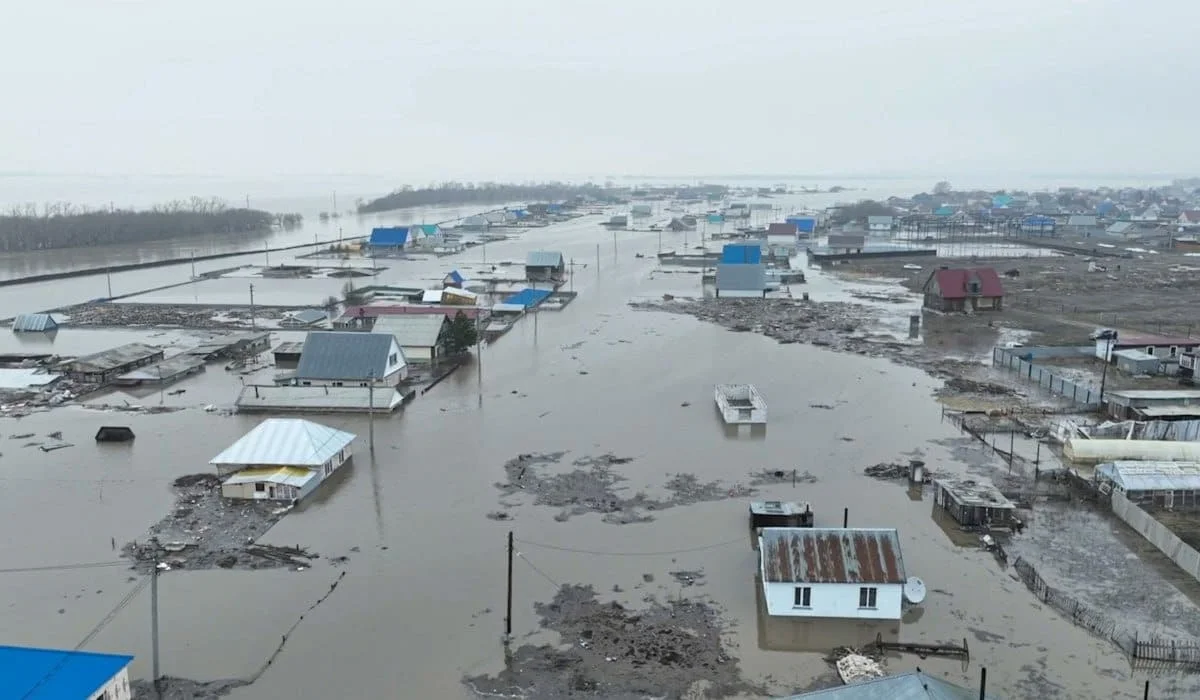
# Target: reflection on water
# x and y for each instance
(817, 634)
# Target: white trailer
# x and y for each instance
(741, 404)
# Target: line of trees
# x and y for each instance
(65, 225)
(477, 193)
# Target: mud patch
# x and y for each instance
(767, 477)
(663, 650)
(593, 487)
(171, 688)
(208, 531)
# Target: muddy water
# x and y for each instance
(422, 604)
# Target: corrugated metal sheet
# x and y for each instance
(741, 253)
(544, 258)
(306, 316)
(1152, 476)
(528, 297)
(286, 442)
(1081, 220)
(317, 399)
(741, 277)
(34, 323)
(804, 555)
(344, 355)
(389, 236)
(914, 685)
(412, 331)
(49, 674)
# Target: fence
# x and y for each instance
(1055, 384)
(1070, 608)
(1167, 542)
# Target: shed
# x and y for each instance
(288, 353)
(784, 229)
(840, 242)
(641, 210)
(341, 358)
(58, 674)
(1136, 362)
(832, 572)
(544, 266)
(741, 280)
(1123, 404)
(421, 337)
(34, 323)
(114, 433)
(1082, 223)
(973, 503)
(780, 514)
(528, 298)
(1174, 485)
(454, 279)
(879, 223)
(102, 367)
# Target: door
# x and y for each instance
(1169, 500)
(270, 492)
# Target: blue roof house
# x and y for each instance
(944, 211)
(1001, 201)
(54, 674)
(804, 224)
(1038, 224)
(388, 239)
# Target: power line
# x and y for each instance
(66, 567)
(632, 554)
(541, 573)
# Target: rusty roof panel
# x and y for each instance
(831, 555)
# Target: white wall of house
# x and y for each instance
(838, 600)
(418, 353)
(115, 689)
(1105, 348)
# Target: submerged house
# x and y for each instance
(421, 337)
(832, 572)
(103, 367)
(974, 503)
(963, 289)
(304, 318)
(348, 358)
(914, 685)
(388, 240)
(282, 459)
(34, 323)
(545, 266)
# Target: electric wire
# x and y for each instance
(541, 573)
(66, 567)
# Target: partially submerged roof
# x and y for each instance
(1152, 476)
(979, 494)
(54, 674)
(544, 258)
(286, 476)
(307, 316)
(319, 399)
(286, 442)
(528, 297)
(914, 685)
(34, 323)
(1081, 220)
(953, 282)
(831, 555)
(412, 331)
(389, 236)
(111, 359)
(344, 355)
(1121, 227)
(13, 378)
(777, 229)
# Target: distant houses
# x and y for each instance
(336, 359)
(963, 289)
(282, 459)
(304, 318)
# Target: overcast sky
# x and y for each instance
(431, 89)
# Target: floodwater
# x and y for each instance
(422, 604)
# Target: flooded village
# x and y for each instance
(693, 441)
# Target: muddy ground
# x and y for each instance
(592, 486)
(205, 531)
(663, 650)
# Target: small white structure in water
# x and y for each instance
(741, 404)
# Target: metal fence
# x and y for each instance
(1010, 359)
(1069, 607)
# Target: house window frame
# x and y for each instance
(1150, 350)
(260, 487)
(802, 597)
(1173, 350)
(868, 598)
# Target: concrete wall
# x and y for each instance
(1157, 534)
(837, 600)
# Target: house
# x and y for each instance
(347, 358)
(422, 338)
(454, 279)
(544, 266)
(304, 318)
(962, 289)
(54, 674)
(1133, 361)
(847, 243)
(832, 572)
(1149, 214)
(641, 210)
(34, 323)
(387, 240)
(914, 685)
(1189, 218)
(879, 224)
(474, 223)
(103, 367)
(945, 211)
(1122, 228)
(497, 218)
(973, 503)
(1150, 484)
(1139, 404)
(782, 229)
(741, 272)
(1082, 225)
(453, 296)
(1163, 347)
(281, 459)
(426, 235)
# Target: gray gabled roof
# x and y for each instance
(34, 323)
(544, 258)
(914, 685)
(344, 355)
(308, 315)
(412, 330)
(1081, 220)
(1122, 226)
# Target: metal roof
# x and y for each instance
(12, 378)
(287, 476)
(741, 276)
(1156, 394)
(34, 323)
(914, 685)
(1152, 476)
(431, 296)
(1081, 220)
(318, 399)
(179, 364)
(290, 347)
(344, 355)
(1170, 412)
(544, 258)
(1136, 355)
(54, 674)
(307, 316)
(412, 331)
(831, 555)
(111, 359)
(286, 442)
(977, 494)
(389, 236)
(528, 297)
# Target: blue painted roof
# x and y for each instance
(1038, 220)
(55, 674)
(735, 253)
(389, 236)
(528, 297)
(34, 322)
(455, 276)
(715, 218)
(430, 229)
(1001, 200)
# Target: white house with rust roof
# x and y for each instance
(832, 572)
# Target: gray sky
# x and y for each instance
(425, 89)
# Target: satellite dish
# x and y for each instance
(914, 590)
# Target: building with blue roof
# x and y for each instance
(805, 225)
(55, 674)
(388, 239)
(528, 298)
(1039, 224)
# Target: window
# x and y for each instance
(260, 487)
(1149, 349)
(803, 597)
(1174, 350)
(337, 384)
(393, 359)
(866, 597)
(973, 287)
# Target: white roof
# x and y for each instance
(1152, 476)
(432, 296)
(23, 378)
(286, 442)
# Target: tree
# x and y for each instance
(461, 335)
(942, 188)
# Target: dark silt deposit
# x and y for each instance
(207, 531)
(666, 650)
(767, 477)
(183, 689)
(592, 487)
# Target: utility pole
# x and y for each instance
(597, 258)
(508, 605)
(478, 354)
(252, 326)
(614, 245)
(193, 264)
(660, 240)
(154, 619)
(108, 279)
(572, 282)
(371, 409)
(1104, 373)
(247, 201)
(267, 250)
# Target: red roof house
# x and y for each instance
(963, 289)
